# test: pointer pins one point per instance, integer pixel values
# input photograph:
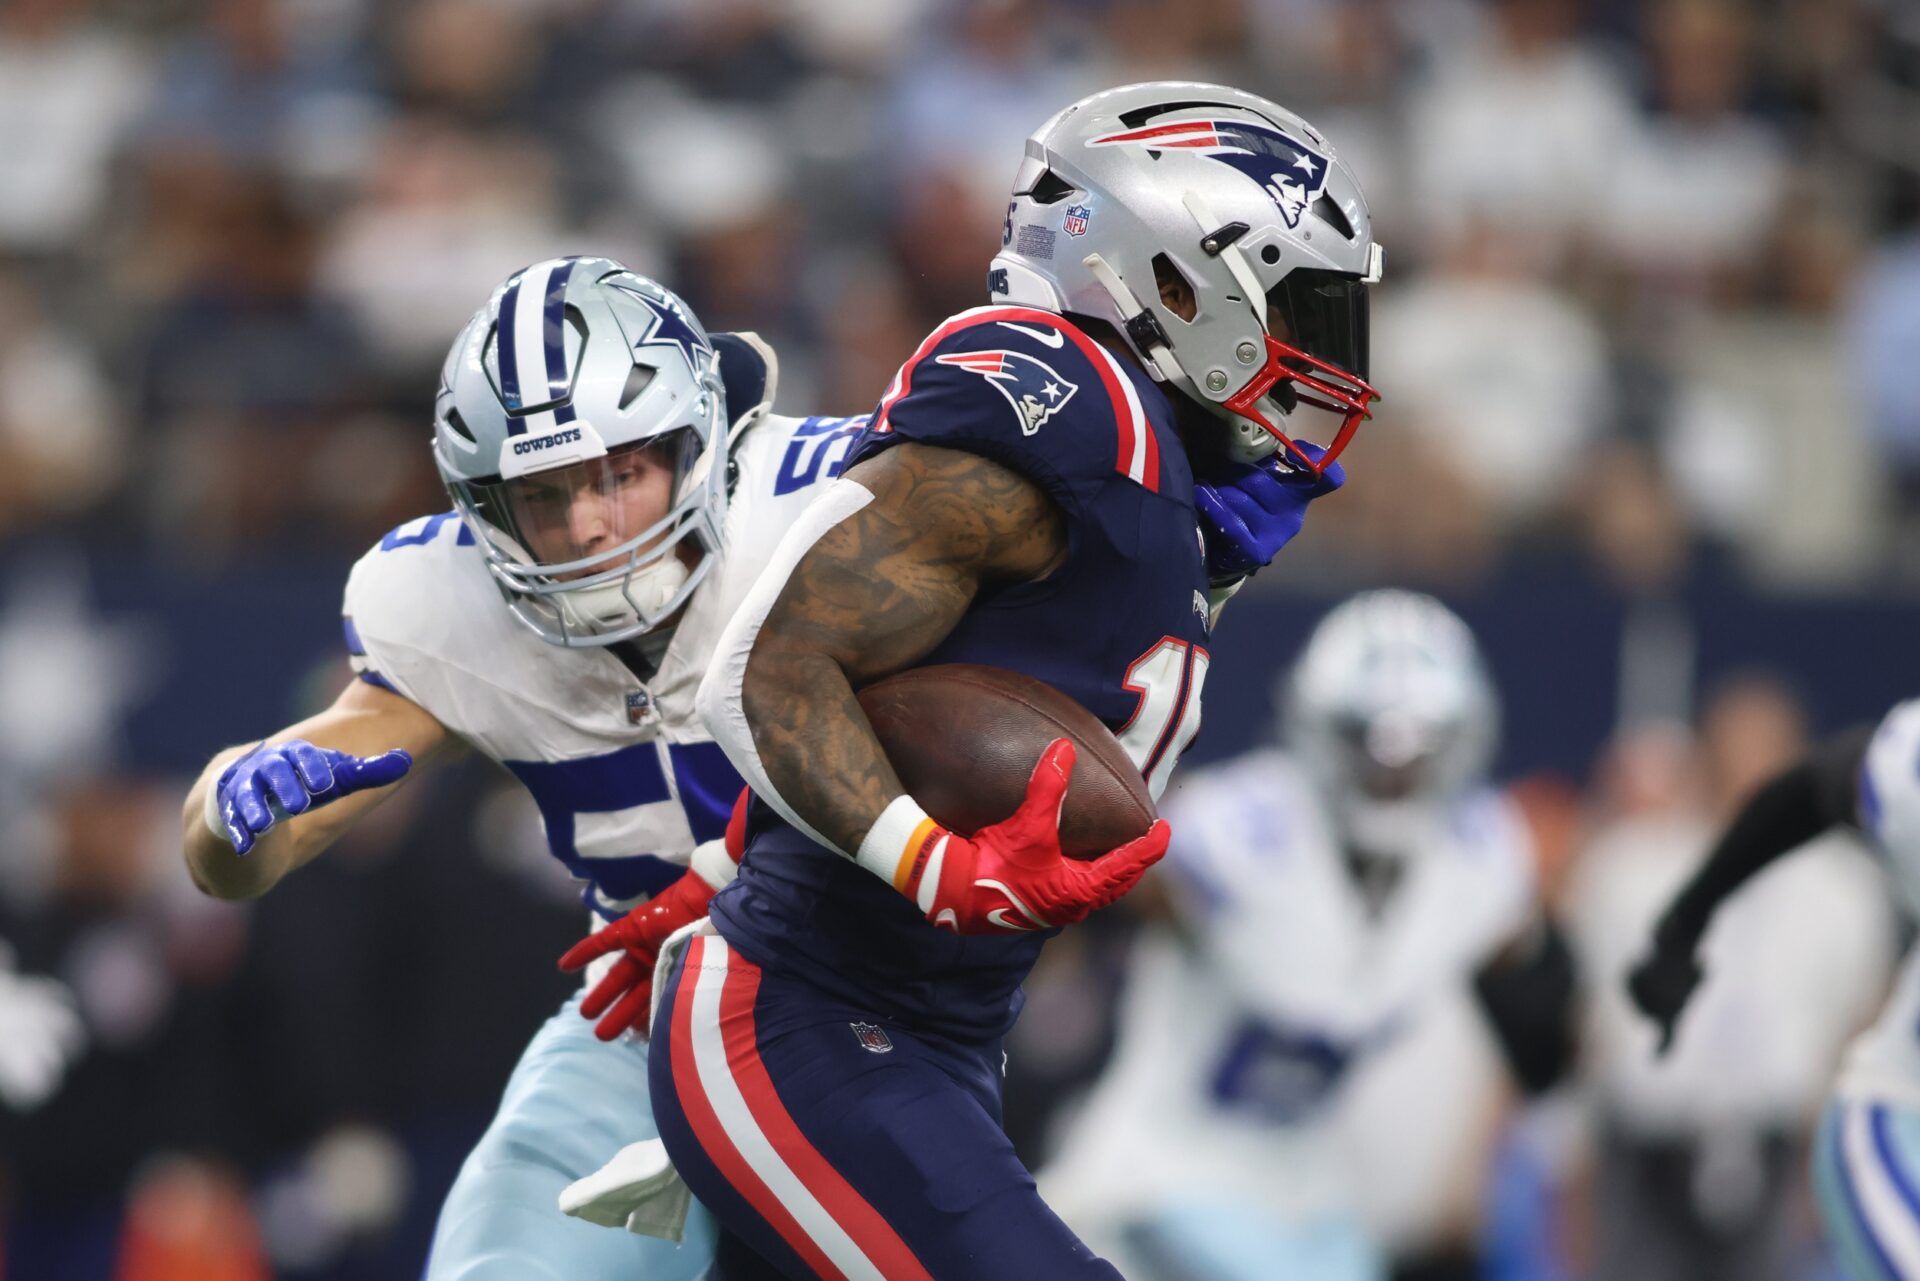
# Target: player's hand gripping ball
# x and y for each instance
(1012, 876)
(963, 737)
(1012, 845)
(269, 784)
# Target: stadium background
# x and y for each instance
(1652, 424)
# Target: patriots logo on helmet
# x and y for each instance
(1034, 388)
(1292, 173)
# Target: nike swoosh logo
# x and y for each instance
(1051, 337)
(999, 915)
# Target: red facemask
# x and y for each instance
(1320, 384)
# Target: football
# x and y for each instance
(964, 739)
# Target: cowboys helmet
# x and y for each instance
(1243, 201)
(580, 427)
(1390, 709)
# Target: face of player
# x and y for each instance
(1394, 758)
(594, 508)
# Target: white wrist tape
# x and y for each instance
(895, 836)
(215, 823)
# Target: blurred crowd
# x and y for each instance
(1652, 300)
(1652, 275)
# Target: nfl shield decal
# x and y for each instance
(1075, 221)
(872, 1037)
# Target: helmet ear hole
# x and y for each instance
(1270, 254)
(1331, 214)
(638, 379)
(1176, 292)
(1050, 188)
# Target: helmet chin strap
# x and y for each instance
(1159, 357)
(640, 595)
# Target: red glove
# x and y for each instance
(626, 991)
(1010, 876)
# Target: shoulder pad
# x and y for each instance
(748, 371)
(1028, 388)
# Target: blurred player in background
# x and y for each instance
(1339, 904)
(1064, 484)
(1867, 1155)
(608, 517)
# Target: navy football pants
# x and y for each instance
(838, 1147)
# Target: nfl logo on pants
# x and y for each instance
(872, 1037)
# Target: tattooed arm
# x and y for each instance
(872, 579)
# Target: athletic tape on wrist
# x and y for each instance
(889, 847)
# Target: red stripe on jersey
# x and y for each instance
(856, 1216)
(1150, 474)
(1133, 433)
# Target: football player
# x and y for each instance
(608, 517)
(1183, 272)
(1867, 1156)
(1338, 904)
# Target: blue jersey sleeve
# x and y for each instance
(1027, 389)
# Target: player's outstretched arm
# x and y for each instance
(280, 802)
(1784, 813)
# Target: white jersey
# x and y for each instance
(1249, 1035)
(1884, 1063)
(625, 776)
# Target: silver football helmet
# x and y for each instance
(1390, 710)
(580, 427)
(1243, 201)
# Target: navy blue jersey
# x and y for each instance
(1121, 627)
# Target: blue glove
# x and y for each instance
(272, 783)
(1253, 510)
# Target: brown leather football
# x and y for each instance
(964, 739)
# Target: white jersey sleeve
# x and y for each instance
(403, 610)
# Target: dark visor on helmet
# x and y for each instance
(1316, 355)
(1323, 313)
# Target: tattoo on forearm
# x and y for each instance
(877, 592)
